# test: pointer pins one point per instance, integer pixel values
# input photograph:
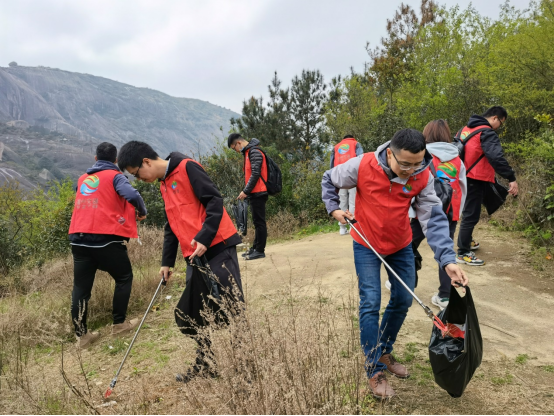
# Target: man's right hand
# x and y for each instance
(165, 273)
(339, 215)
(513, 189)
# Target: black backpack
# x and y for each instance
(461, 144)
(274, 183)
(444, 192)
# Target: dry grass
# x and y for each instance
(291, 352)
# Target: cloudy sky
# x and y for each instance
(219, 51)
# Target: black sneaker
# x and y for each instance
(248, 252)
(255, 255)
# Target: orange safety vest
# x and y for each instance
(99, 209)
(482, 171)
(260, 185)
(344, 151)
(185, 212)
(382, 206)
(451, 170)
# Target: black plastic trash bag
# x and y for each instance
(454, 360)
(495, 196)
(240, 211)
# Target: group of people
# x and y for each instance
(397, 208)
(390, 190)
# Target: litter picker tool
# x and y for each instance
(108, 392)
(436, 320)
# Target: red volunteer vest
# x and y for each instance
(344, 151)
(260, 185)
(451, 171)
(99, 209)
(382, 206)
(185, 212)
(482, 171)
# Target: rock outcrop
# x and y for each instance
(97, 109)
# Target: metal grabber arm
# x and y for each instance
(436, 321)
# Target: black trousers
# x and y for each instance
(471, 213)
(225, 266)
(257, 205)
(86, 261)
(417, 238)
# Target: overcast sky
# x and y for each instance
(219, 51)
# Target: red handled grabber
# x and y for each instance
(436, 321)
(108, 392)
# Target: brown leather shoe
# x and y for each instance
(380, 386)
(124, 328)
(394, 367)
(87, 339)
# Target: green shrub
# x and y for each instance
(34, 226)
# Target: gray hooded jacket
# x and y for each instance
(427, 205)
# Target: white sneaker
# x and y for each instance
(440, 302)
(343, 230)
(387, 285)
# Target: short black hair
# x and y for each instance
(497, 111)
(408, 139)
(132, 153)
(106, 151)
(348, 136)
(233, 137)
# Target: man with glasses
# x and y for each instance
(199, 223)
(386, 181)
(483, 158)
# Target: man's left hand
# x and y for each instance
(141, 217)
(200, 249)
(242, 195)
(456, 274)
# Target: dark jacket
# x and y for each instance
(490, 143)
(123, 188)
(210, 197)
(256, 161)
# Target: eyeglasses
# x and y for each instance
(404, 167)
(136, 173)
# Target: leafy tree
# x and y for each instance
(279, 128)
(391, 63)
(307, 104)
(253, 120)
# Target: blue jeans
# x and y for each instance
(378, 340)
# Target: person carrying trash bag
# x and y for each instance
(386, 182)
(103, 219)
(450, 169)
(255, 189)
(198, 221)
(484, 158)
(343, 151)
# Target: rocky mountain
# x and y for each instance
(48, 114)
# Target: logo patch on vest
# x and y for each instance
(90, 185)
(447, 172)
(121, 220)
(407, 188)
(174, 185)
(343, 148)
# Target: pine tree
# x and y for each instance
(307, 102)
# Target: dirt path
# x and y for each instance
(514, 305)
